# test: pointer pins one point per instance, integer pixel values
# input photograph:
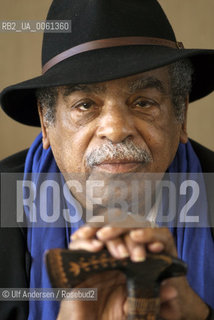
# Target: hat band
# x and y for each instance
(107, 43)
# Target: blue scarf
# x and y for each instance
(194, 245)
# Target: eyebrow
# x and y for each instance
(145, 83)
(84, 88)
(134, 85)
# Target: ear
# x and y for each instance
(183, 134)
(45, 138)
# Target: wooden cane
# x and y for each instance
(68, 268)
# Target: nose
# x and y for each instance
(116, 124)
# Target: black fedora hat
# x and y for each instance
(110, 39)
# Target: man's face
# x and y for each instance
(118, 126)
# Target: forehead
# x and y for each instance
(157, 78)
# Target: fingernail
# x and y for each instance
(104, 232)
(73, 237)
(138, 255)
(136, 234)
(96, 243)
(87, 229)
(123, 251)
(173, 293)
(156, 246)
(84, 232)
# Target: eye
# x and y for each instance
(84, 105)
(144, 103)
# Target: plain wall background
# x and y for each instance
(20, 54)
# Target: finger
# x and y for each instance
(89, 245)
(171, 311)
(126, 308)
(137, 252)
(155, 247)
(85, 232)
(108, 233)
(117, 248)
(115, 305)
(152, 235)
(167, 293)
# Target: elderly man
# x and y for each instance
(112, 100)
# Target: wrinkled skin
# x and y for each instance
(178, 300)
(114, 111)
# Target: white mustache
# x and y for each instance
(126, 150)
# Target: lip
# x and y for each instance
(120, 166)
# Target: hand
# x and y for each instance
(178, 300)
(111, 289)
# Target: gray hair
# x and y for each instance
(124, 150)
(180, 73)
(47, 98)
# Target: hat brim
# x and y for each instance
(19, 101)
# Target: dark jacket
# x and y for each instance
(14, 257)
